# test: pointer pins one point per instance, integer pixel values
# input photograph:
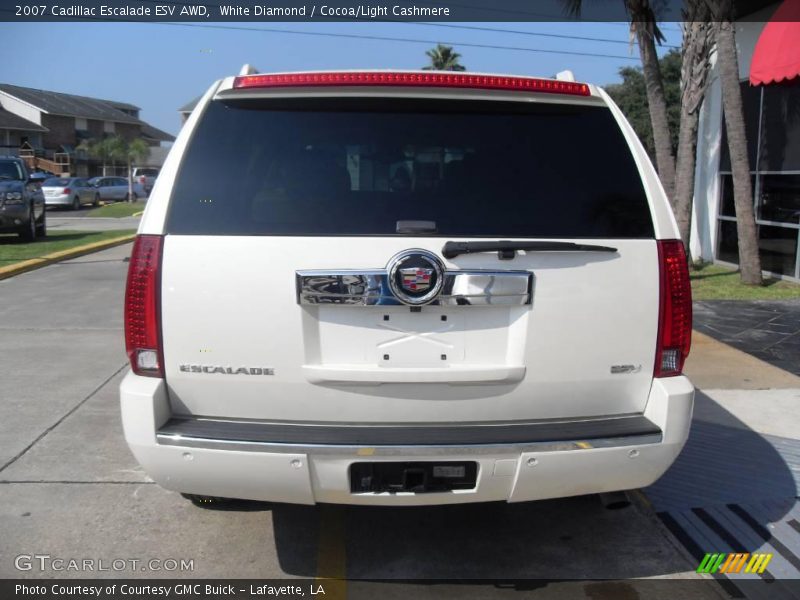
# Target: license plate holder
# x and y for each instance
(421, 477)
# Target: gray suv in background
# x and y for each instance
(21, 202)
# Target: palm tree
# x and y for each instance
(749, 259)
(102, 150)
(443, 58)
(698, 39)
(133, 151)
(647, 33)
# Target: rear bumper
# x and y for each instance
(60, 200)
(309, 464)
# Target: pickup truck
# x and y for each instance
(405, 288)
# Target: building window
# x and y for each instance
(81, 124)
(772, 120)
(108, 126)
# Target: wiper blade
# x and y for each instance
(507, 249)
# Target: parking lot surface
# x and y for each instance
(70, 488)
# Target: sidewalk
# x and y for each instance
(735, 486)
(769, 330)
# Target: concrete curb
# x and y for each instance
(54, 257)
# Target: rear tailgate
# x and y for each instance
(272, 188)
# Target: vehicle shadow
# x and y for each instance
(571, 539)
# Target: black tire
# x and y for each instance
(28, 231)
(96, 200)
(41, 226)
(133, 198)
(76, 203)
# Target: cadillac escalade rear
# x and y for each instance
(406, 288)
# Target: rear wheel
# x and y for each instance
(76, 203)
(41, 226)
(96, 200)
(28, 231)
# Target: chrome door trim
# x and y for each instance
(371, 288)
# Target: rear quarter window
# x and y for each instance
(315, 167)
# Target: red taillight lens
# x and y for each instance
(142, 307)
(67, 191)
(675, 312)
(384, 78)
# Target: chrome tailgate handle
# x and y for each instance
(371, 288)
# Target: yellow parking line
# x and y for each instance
(331, 557)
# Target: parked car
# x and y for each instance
(510, 322)
(69, 191)
(39, 177)
(116, 188)
(146, 176)
(21, 202)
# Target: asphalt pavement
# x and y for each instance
(70, 488)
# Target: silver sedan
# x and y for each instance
(116, 188)
(69, 191)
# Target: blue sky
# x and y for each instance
(160, 67)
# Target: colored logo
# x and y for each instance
(415, 276)
(415, 279)
(739, 562)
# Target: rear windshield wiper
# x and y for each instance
(507, 249)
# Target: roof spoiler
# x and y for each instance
(247, 69)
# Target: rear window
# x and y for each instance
(55, 182)
(147, 172)
(357, 167)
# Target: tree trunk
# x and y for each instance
(684, 175)
(749, 259)
(694, 77)
(657, 105)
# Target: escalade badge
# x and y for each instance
(415, 276)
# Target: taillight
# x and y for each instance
(67, 191)
(675, 310)
(412, 79)
(142, 307)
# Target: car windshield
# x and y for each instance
(10, 169)
(358, 167)
(56, 182)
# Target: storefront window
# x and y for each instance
(772, 121)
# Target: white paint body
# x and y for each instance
(232, 301)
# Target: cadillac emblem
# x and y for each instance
(415, 276)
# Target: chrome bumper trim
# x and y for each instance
(408, 440)
(376, 451)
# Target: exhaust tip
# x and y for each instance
(614, 500)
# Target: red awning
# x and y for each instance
(777, 54)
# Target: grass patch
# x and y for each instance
(117, 210)
(13, 251)
(715, 282)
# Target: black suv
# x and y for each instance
(21, 202)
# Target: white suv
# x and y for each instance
(421, 288)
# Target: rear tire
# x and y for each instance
(96, 200)
(41, 227)
(28, 231)
(76, 203)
